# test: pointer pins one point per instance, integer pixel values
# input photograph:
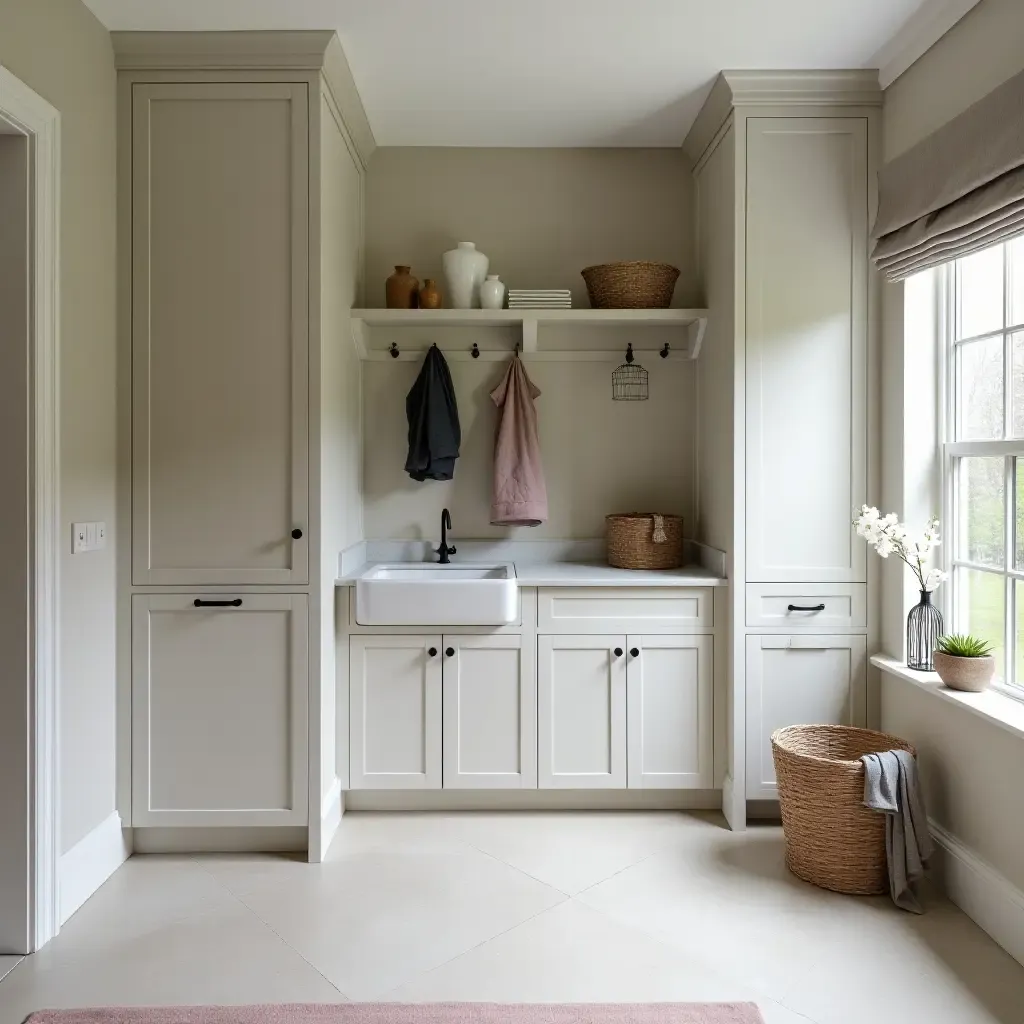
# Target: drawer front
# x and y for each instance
(820, 607)
(622, 610)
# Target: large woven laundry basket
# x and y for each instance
(832, 839)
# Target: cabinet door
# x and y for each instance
(395, 687)
(799, 680)
(806, 348)
(219, 714)
(581, 717)
(670, 695)
(490, 713)
(219, 333)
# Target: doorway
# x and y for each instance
(29, 516)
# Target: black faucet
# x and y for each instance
(445, 550)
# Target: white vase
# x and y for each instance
(464, 272)
(492, 293)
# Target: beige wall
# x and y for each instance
(599, 456)
(970, 766)
(970, 769)
(62, 52)
(541, 215)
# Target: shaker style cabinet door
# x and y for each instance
(799, 680)
(220, 268)
(490, 712)
(670, 709)
(219, 715)
(395, 712)
(806, 348)
(581, 715)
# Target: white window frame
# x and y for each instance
(954, 450)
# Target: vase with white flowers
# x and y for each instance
(888, 536)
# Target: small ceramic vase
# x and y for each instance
(464, 271)
(492, 293)
(430, 295)
(401, 289)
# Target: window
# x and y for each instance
(983, 318)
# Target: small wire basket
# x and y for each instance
(629, 381)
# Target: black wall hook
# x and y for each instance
(394, 350)
(475, 351)
(664, 352)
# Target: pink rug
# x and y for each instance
(415, 1013)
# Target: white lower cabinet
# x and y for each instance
(455, 711)
(219, 709)
(670, 710)
(395, 687)
(581, 682)
(490, 713)
(799, 680)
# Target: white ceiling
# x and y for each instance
(547, 72)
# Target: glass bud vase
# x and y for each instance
(924, 627)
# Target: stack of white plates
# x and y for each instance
(539, 298)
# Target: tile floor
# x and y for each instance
(525, 907)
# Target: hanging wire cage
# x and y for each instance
(629, 380)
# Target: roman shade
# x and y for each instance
(958, 190)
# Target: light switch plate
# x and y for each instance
(79, 538)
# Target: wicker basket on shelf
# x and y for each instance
(832, 839)
(636, 285)
(644, 540)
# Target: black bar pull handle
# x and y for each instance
(200, 603)
(807, 607)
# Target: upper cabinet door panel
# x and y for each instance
(220, 333)
(806, 347)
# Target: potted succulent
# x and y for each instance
(964, 662)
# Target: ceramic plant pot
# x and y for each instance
(970, 674)
(401, 289)
(430, 295)
(464, 271)
(492, 293)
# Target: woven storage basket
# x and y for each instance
(832, 839)
(632, 544)
(630, 285)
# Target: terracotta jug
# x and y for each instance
(401, 289)
(430, 295)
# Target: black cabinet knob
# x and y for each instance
(634, 652)
(296, 534)
(617, 652)
(450, 651)
(432, 652)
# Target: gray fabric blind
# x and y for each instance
(959, 190)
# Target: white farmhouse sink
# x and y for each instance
(425, 594)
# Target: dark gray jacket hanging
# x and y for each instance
(434, 432)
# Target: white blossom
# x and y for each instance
(887, 535)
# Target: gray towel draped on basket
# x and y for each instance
(891, 786)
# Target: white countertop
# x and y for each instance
(591, 574)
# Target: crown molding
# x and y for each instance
(921, 31)
(854, 88)
(220, 51)
(314, 51)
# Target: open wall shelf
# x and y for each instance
(539, 332)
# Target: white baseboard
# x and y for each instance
(91, 861)
(330, 816)
(981, 892)
(222, 839)
(532, 799)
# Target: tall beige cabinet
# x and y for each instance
(784, 164)
(242, 159)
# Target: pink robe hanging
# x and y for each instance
(520, 495)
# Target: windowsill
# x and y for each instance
(999, 709)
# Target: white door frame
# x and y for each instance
(32, 116)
